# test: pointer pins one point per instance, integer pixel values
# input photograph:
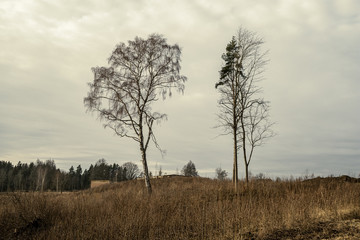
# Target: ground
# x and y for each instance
(339, 230)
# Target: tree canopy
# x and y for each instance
(140, 73)
(243, 112)
(45, 176)
(189, 170)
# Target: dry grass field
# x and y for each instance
(188, 208)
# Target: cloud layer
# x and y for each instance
(48, 48)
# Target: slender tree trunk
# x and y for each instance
(235, 167)
(235, 130)
(42, 182)
(143, 158)
(57, 182)
(234, 171)
(243, 138)
(146, 170)
(247, 172)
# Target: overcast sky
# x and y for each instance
(312, 81)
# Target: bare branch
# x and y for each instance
(140, 71)
(242, 112)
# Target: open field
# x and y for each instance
(188, 208)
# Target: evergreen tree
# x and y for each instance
(189, 170)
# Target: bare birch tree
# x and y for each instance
(41, 175)
(139, 74)
(243, 114)
(257, 131)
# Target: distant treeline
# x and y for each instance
(44, 176)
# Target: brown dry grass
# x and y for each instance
(187, 208)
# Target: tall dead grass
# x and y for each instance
(179, 208)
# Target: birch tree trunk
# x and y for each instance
(146, 170)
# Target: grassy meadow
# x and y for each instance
(188, 208)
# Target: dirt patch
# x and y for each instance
(347, 229)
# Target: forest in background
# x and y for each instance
(44, 176)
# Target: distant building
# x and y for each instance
(173, 175)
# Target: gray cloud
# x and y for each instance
(48, 49)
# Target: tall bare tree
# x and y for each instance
(243, 114)
(122, 94)
(42, 171)
(257, 129)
